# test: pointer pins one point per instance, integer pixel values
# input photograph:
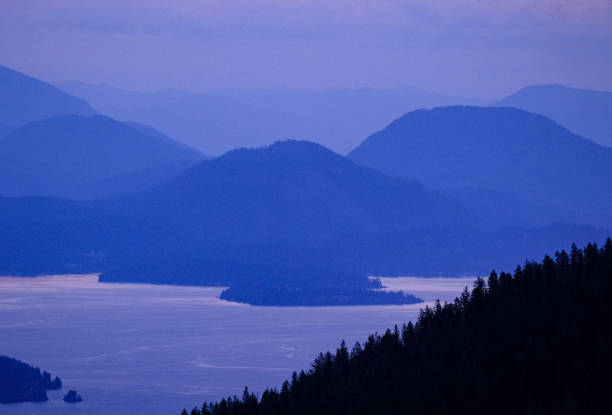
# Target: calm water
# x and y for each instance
(139, 349)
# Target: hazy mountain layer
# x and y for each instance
(220, 121)
(25, 99)
(290, 215)
(585, 112)
(75, 156)
(501, 154)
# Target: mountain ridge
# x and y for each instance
(253, 118)
(290, 218)
(25, 99)
(586, 112)
(55, 156)
(498, 149)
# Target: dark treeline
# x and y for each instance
(534, 342)
(20, 382)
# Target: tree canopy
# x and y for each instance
(536, 341)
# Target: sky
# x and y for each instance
(470, 48)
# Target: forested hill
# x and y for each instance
(20, 382)
(534, 342)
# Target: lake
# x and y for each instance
(137, 348)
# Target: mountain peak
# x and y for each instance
(583, 111)
(294, 149)
(25, 99)
(496, 149)
(57, 155)
(544, 88)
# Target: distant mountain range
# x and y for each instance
(448, 191)
(230, 216)
(25, 99)
(498, 159)
(585, 112)
(216, 122)
(55, 144)
(86, 157)
(293, 215)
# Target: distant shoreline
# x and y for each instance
(420, 290)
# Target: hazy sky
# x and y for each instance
(480, 48)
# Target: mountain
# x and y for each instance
(585, 112)
(536, 341)
(556, 174)
(76, 156)
(219, 121)
(276, 224)
(25, 99)
(271, 214)
(20, 382)
(258, 216)
(298, 179)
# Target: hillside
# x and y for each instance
(585, 112)
(25, 99)
(536, 341)
(83, 157)
(219, 121)
(507, 151)
(290, 180)
(274, 214)
(293, 219)
(152, 132)
(20, 382)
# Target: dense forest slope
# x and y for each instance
(20, 382)
(493, 158)
(87, 157)
(585, 112)
(25, 99)
(533, 342)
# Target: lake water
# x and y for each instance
(136, 348)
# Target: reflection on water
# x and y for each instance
(135, 348)
(429, 289)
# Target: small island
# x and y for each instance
(72, 397)
(20, 382)
(313, 295)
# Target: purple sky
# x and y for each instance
(479, 48)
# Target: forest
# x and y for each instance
(20, 382)
(535, 341)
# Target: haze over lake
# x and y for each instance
(155, 349)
